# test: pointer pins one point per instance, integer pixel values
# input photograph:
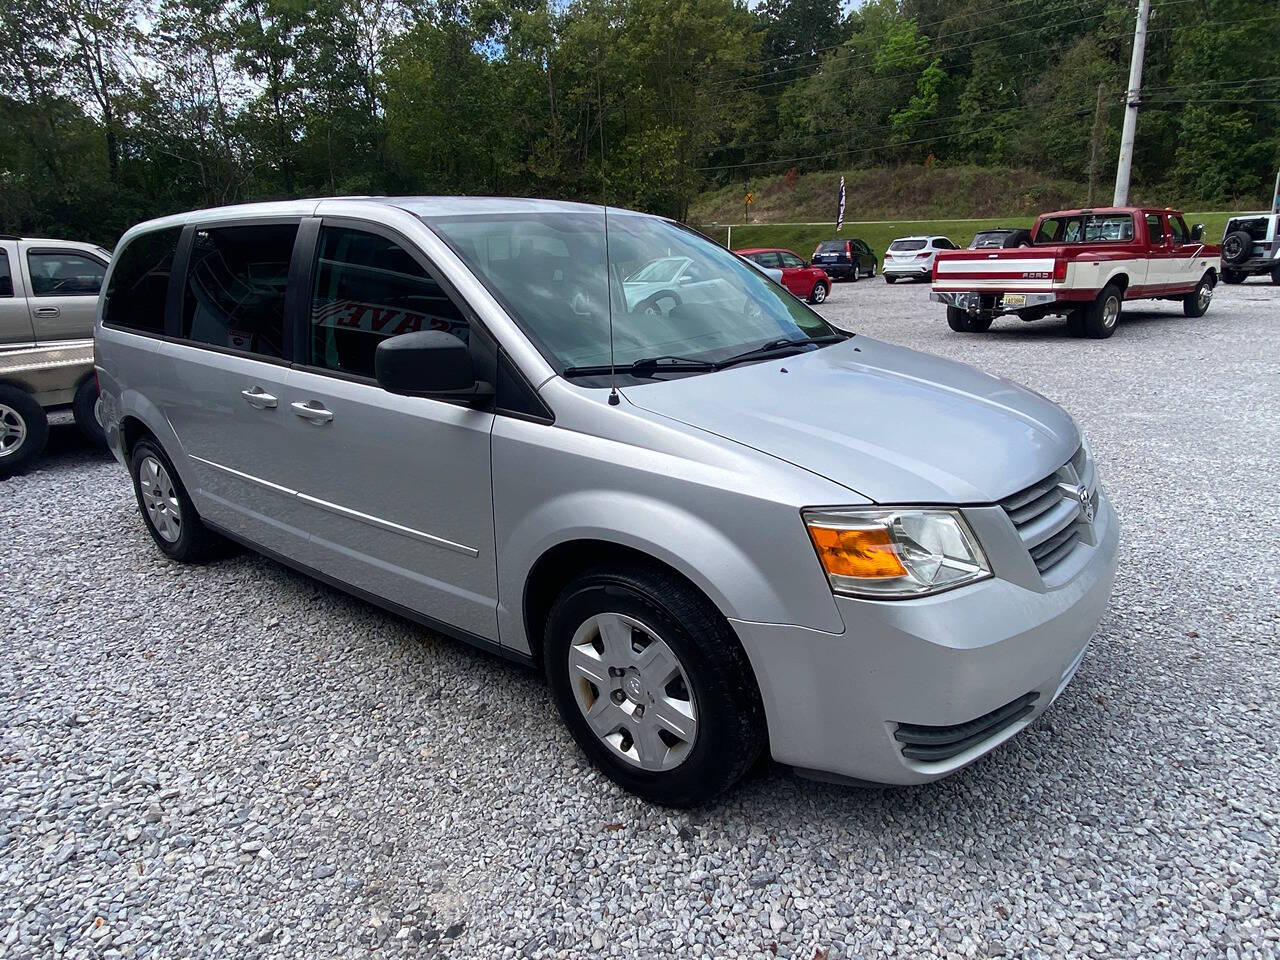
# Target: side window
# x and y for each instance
(1179, 230)
(140, 282)
(369, 288)
(64, 274)
(236, 287)
(1155, 228)
(768, 259)
(6, 277)
(790, 260)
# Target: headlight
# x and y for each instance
(893, 552)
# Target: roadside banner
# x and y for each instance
(840, 205)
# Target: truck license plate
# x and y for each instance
(1015, 299)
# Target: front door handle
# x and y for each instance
(48, 313)
(312, 410)
(259, 398)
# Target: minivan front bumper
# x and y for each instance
(957, 668)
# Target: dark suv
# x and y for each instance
(1251, 246)
(845, 259)
(999, 237)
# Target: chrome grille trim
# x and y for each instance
(1047, 519)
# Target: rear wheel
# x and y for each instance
(653, 684)
(1275, 276)
(1101, 316)
(1197, 302)
(24, 430)
(962, 321)
(167, 510)
(819, 292)
(1235, 276)
(856, 273)
(889, 279)
(86, 400)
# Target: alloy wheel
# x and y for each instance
(1204, 295)
(13, 430)
(1110, 312)
(160, 499)
(633, 691)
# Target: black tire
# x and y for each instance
(819, 292)
(961, 321)
(194, 542)
(1275, 276)
(855, 274)
(1099, 320)
(24, 430)
(1236, 247)
(86, 400)
(730, 732)
(1196, 303)
(1075, 323)
(1235, 276)
(889, 279)
(873, 269)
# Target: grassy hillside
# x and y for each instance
(884, 204)
(913, 193)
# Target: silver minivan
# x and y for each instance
(719, 524)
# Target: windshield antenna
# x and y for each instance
(608, 272)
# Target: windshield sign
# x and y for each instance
(675, 294)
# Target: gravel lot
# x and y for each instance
(236, 761)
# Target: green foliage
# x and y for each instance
(112, 111)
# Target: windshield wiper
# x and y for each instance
(646, 367)
(783, 346)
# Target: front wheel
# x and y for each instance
(653, 684)
(24, 430)
(1197, 302)
(819, 292)
(961, 321)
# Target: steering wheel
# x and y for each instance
(649, 305)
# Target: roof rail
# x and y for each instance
(8, 236)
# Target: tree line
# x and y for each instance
(112, 111)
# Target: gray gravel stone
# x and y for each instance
(163, 726)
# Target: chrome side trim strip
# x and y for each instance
(342, 511)
(389, 526)
(246, 476)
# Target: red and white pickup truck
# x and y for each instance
(1082, 264)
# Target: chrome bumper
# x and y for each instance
(972, 301)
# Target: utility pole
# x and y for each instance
(1125, 166)
(1095, 144)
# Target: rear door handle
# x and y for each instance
(312, 410)
(259, 398)
(48, 313)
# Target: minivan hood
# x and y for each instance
(892, 424)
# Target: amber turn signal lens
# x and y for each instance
(865, 553)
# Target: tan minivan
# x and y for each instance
(48, 292)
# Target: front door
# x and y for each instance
(398, 488)
(63, 292)
(1187, 265)
(794, 275)
(15, 318)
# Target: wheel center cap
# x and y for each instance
(634, 687)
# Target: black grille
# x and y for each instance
(932, 744)
(1046, 518)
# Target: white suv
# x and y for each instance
(1251, 246)
(913, 257)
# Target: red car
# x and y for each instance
(805, 281)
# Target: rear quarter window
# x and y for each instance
(139, 282)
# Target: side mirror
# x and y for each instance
(1197, 233)
(428, 363)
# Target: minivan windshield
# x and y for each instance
(676, 296)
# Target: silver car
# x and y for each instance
(720, 527)
(48, 294)
(912, 257)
